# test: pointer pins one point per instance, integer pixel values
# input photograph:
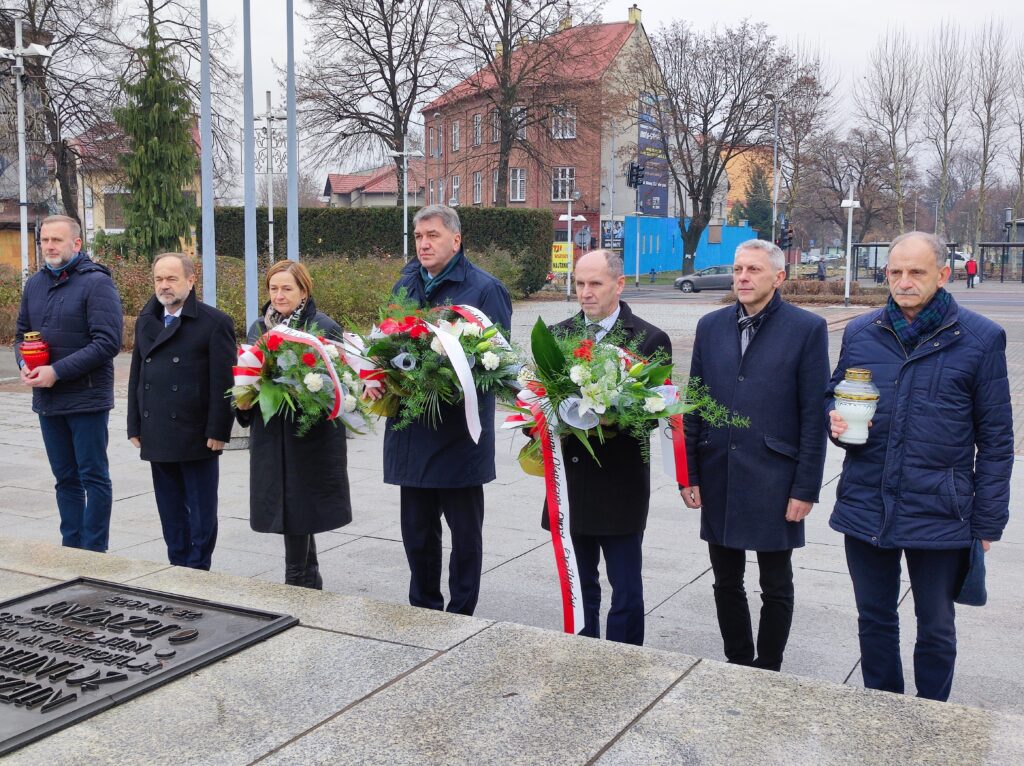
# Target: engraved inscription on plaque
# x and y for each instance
(75, 649)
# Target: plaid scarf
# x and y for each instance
(927, 321)
(273, 318)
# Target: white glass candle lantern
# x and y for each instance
(856, 399)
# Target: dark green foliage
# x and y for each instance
(354, 232)
(757, 208)
(157, 120)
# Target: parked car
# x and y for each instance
(711, 278)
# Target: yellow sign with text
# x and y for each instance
(561, 252)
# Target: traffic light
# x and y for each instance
(631, 177)
(786, 241)
(640, 170)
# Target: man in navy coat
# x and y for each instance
(73, 302)
(441, 471)
(609, 498)
(178, 414)
(766, 360)
(933, 479)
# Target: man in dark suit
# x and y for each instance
(766, 360)
(608, 503)
(178, 412)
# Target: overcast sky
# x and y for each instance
(844, 32)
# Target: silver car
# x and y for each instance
(711, 278)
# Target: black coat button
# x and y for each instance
(149, 359)
(175, 360)
(575, 460)
(145, 414)
(732, 446)
(146, 386)
(174, 416)
(174, 387)
(740, 378)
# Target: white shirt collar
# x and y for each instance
(607, 323)
(176, 313)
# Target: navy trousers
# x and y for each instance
(623, 556)
(776, 581)
(463, 510)
(76, 446)
(935, 578)
(186, 497)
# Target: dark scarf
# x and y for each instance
(927, 321)
(749, 325)
(60, 273)
(430, 284)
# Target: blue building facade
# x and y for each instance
(661, 245)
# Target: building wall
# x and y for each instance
(739, 170)
(96, 185)
(10, 247)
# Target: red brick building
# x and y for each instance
(584, 143)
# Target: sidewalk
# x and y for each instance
(519, 584)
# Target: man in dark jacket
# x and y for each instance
(178, 412)
(74, 304)
(934, 474)
(609, 499)
(440, 470)
(766, 360)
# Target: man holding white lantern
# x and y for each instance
(933, 477)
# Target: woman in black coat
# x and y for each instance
(297, 486)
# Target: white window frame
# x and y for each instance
(495, 127)
(519, 120)
(494, 187)
(478, 129)
(430, 191)
(430, 142)
(563, 122)
(563, 183)
(478, 187)
(456, 183)
(517, 184)
(456, 135)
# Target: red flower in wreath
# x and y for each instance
(389, 326)
(309, 359)
(274, 342)
(584, 350)
(418, 331)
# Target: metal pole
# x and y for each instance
(206, 163)
(569, 259)
(293, 147)
(775, 169)
(249, 171)
(270, 181)
(19, 63)
(405, 196)
(611, 184)
(849, 245)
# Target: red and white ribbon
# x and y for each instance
(557, 496)
(250, 363)
(480, 319)
(673, 441)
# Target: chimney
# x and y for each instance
(634, 14)
(565, 23)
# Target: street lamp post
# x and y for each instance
(268, 118)
(1008, 224)
(405, 154)
(574, 197)
(18, 56)
(850, 204)
(776, 103)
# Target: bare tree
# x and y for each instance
(1017, 120)
(803, 117)
(712, 106)
(987, 71)
(376, 62)
(944, 100)
(74, 88)
(310, 189)
(525, 63)
(888, 100)
(863, 157)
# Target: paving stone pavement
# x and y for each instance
(366, 558)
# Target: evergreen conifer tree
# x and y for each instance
(757, 207)
(157, 120)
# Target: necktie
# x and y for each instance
(748, 326)
(169, 319)
(592, 330)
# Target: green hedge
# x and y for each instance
(356, 232)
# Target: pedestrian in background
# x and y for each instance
(971, 267)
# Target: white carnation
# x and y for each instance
(332, 350)
(579, 374)
(313, 382)
(472, 330)
(654, 404)
(347, 379)
(350, 403)
(490, 360)
(524, 376)
(437, 348)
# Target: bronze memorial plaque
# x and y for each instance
(72, 650)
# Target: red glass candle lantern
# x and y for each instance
(34, 350)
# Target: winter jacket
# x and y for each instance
(935, 472)
(79, 315)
